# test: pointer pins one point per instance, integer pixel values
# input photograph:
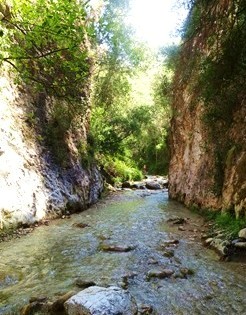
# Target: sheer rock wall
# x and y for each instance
(208, 128)
(32, 185)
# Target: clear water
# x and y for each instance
(48, 261)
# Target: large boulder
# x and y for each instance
(101, 301)
(153, 185)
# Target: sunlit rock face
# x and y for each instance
(208, 128)
(32, 185)
(193, 165)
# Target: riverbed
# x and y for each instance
(48, 261)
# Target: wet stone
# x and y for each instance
(168, 253)
(153, 186)
(208, 241)
(187, 271)
(58, 304)
(241, 245)
(144, 309)
(38, 299)
(152, 261)
(160, 273)
(80, 225)
(126, 184)
(83, 284)
(169, 243)
(116, 248)
(98, 300)
(177, 220)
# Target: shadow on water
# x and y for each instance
(47, 262)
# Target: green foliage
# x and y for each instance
(121, 124)
(230, 224)
(56, 130)
(225, 220)
(121, 169)
(57, 47)
(45, 42)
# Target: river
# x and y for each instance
(48, 261)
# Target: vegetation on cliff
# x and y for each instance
(82, 63)
(209, 86)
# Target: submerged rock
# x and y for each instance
(159, 273)
(144, 309)
(101, 301)
(116, 248)
(80, 225)
(83, 284)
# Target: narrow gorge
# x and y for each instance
(122, 163)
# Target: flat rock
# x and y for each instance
(241, 245)
(116, 248)
(168, 253)
(101, 301)
(168, 243)
(242, 233)
(80, 225)
(160, 273)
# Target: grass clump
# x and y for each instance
(225, 221)
(229, 223)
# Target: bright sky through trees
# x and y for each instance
(156, 21)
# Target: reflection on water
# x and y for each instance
(48, 261)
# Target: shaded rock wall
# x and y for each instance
(32, 185)
(208, 128)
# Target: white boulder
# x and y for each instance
(101, 301)
(242, 233)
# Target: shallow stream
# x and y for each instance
(48, 261)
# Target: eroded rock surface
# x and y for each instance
(101, 301)
(33, 186)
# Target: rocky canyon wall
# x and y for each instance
(33, 186)
(208, 128)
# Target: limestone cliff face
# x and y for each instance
(208, 129)
(32, 185)
(193, 166)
